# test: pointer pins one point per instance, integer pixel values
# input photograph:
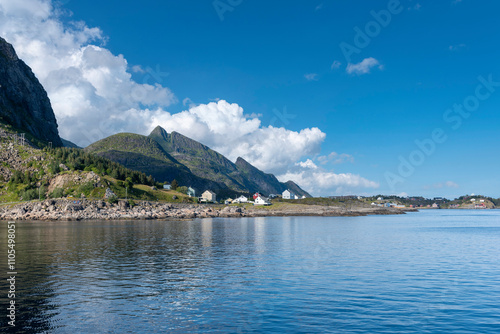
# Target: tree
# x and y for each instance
(128, 183)
(174, 185)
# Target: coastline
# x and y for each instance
(63, 210)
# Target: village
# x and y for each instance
(257, 199)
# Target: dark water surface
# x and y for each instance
(428, 272)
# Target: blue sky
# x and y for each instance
(283, 64)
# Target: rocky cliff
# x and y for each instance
(24, 103)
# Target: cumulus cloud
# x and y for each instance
(327, 182)
(307, 164)
(364, 67)
(320, 181)
(92, 91)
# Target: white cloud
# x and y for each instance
(319, 182)
(92, 92)
(364, 66)
(307, 164)
(311, 76)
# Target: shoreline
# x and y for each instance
(68, 210)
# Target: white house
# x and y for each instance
(262, 201)
(241, 199)
(191, 192)
(287, 194)
(167, 186)
(208, 196)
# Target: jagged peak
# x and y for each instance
(241, 160)
(7, 50)
(159, 130)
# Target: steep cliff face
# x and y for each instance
(24, 103)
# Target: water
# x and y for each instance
(428, 272)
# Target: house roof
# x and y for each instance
(209, 191)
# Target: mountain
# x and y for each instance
(208, 164)
(290, 185)
(24, 103)
(168, 156)
(266, 183)
(144, 154)
(201, 160)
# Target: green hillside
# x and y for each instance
(28, 173)
(144, 154)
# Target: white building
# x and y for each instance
(287, 194)
(167, 186)
(262, 201)
(241, 199)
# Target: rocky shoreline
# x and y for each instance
(100, 210)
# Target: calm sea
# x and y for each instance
(429, 272)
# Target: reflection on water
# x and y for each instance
(428, 272)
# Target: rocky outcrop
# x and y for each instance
(24, 103)
(68, 180)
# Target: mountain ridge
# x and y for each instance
(168, 156)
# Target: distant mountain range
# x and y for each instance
(169, 156)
